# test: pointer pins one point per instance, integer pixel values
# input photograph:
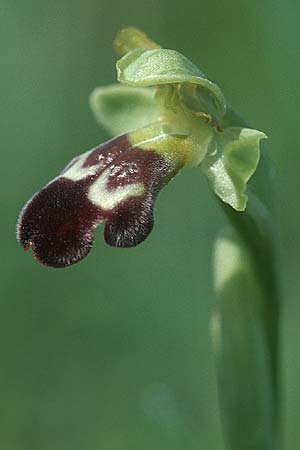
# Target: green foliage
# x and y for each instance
(244, 372)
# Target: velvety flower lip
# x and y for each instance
(115, 182)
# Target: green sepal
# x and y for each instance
(232, 162)
(119, 109)
(142, 67)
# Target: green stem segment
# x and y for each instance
(199, 129)
(245, 322)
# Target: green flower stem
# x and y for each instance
(188, 121)
(245, 322)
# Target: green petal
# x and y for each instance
(119, 109)
(232, 163)
(142, 67)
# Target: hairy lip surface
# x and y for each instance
(115, 183)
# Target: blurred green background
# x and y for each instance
(114, 353)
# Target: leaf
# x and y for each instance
(121, 108)
(162, 66)
(244, 372)
(232, 163)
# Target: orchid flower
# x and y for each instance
(167, 116)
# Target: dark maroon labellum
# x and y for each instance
(114, 182)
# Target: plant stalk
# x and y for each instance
(247, 318)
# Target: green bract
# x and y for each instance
(131, 38)
(163, 86)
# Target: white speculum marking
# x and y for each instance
(98, 193)
(77, 172)
(100, 196)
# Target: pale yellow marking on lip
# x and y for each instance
(106, 199)
(98, 193)
(77, 172)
